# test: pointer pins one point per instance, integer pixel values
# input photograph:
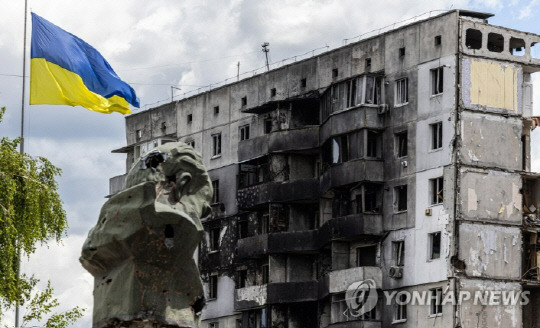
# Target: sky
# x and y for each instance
(190, 45)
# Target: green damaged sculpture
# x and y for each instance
(141, 250)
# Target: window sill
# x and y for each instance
(214, 251)
(215, 156)
(435, 315)
(435, 205)
(401, 104)
(211, 299)
(399, 321)
(400, 212)
(435, 259)
(435, 150)
(436, 95)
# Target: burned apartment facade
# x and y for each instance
(402, 158)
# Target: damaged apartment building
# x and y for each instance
(403, 158)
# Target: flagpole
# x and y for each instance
(21, 149)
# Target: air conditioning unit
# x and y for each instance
(404, 163)
(383, 108)
(396, 272)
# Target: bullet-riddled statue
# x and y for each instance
(141, 250)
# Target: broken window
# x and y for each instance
(436, 135)
(373, 144)
(436, 190)
(267, 125)
(273, 92)
(213, 325)
(244, 132)
(264, 222)
(366, 256)
(190, 118)
(215, 187)
(399, 252)
(495, 42)
(243, 101)
(216, 110)
(242, 228)
(368, 64)
(265, 274)
(335, 73)
(401, 144)
(473, 39)
(400, 198)
(401, 52)
(435, 300)
(216, 144)
(402, 91)
(438, 40)
(351, 93)
(241, 278)
(434, 245)
(437, 80)
(369, 199)
(340, 312)
(400, 308)
(303, 83)
(373, 86)
(340, 203)
(340, 149)
(163, 127)
(517, 46)
(214, 239)
(138, 135)
(213, 287)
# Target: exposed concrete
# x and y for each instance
(490, 251)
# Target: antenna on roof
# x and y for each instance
(266, 50)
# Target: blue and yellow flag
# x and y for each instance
(65, 70)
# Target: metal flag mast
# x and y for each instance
(21, 149)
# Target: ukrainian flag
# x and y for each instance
(65, 70)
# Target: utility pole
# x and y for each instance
(266, 50)
(172, 92)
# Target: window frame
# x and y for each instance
(436, 135)
(400, 310)
(243, 132)
(398, 199)
(398, 250)
(213, 241)
(437, 80)
(435, 302)
(400, 143)
(216, 145)
(401, 94)
(215, 194)
(434, 236)
(436, 190)
(212, 287)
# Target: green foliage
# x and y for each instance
(31, 213)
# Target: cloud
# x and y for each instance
(158, 44)
(527, 10)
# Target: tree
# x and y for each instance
(31, 213)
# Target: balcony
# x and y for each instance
(278, 192)
(279, 141)
(250, 297)
(277, 243)
(293, 292)
(353, 171)
(117, 184)
(351, 226)
(275, 293)
(338, 281)
(347, 227)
